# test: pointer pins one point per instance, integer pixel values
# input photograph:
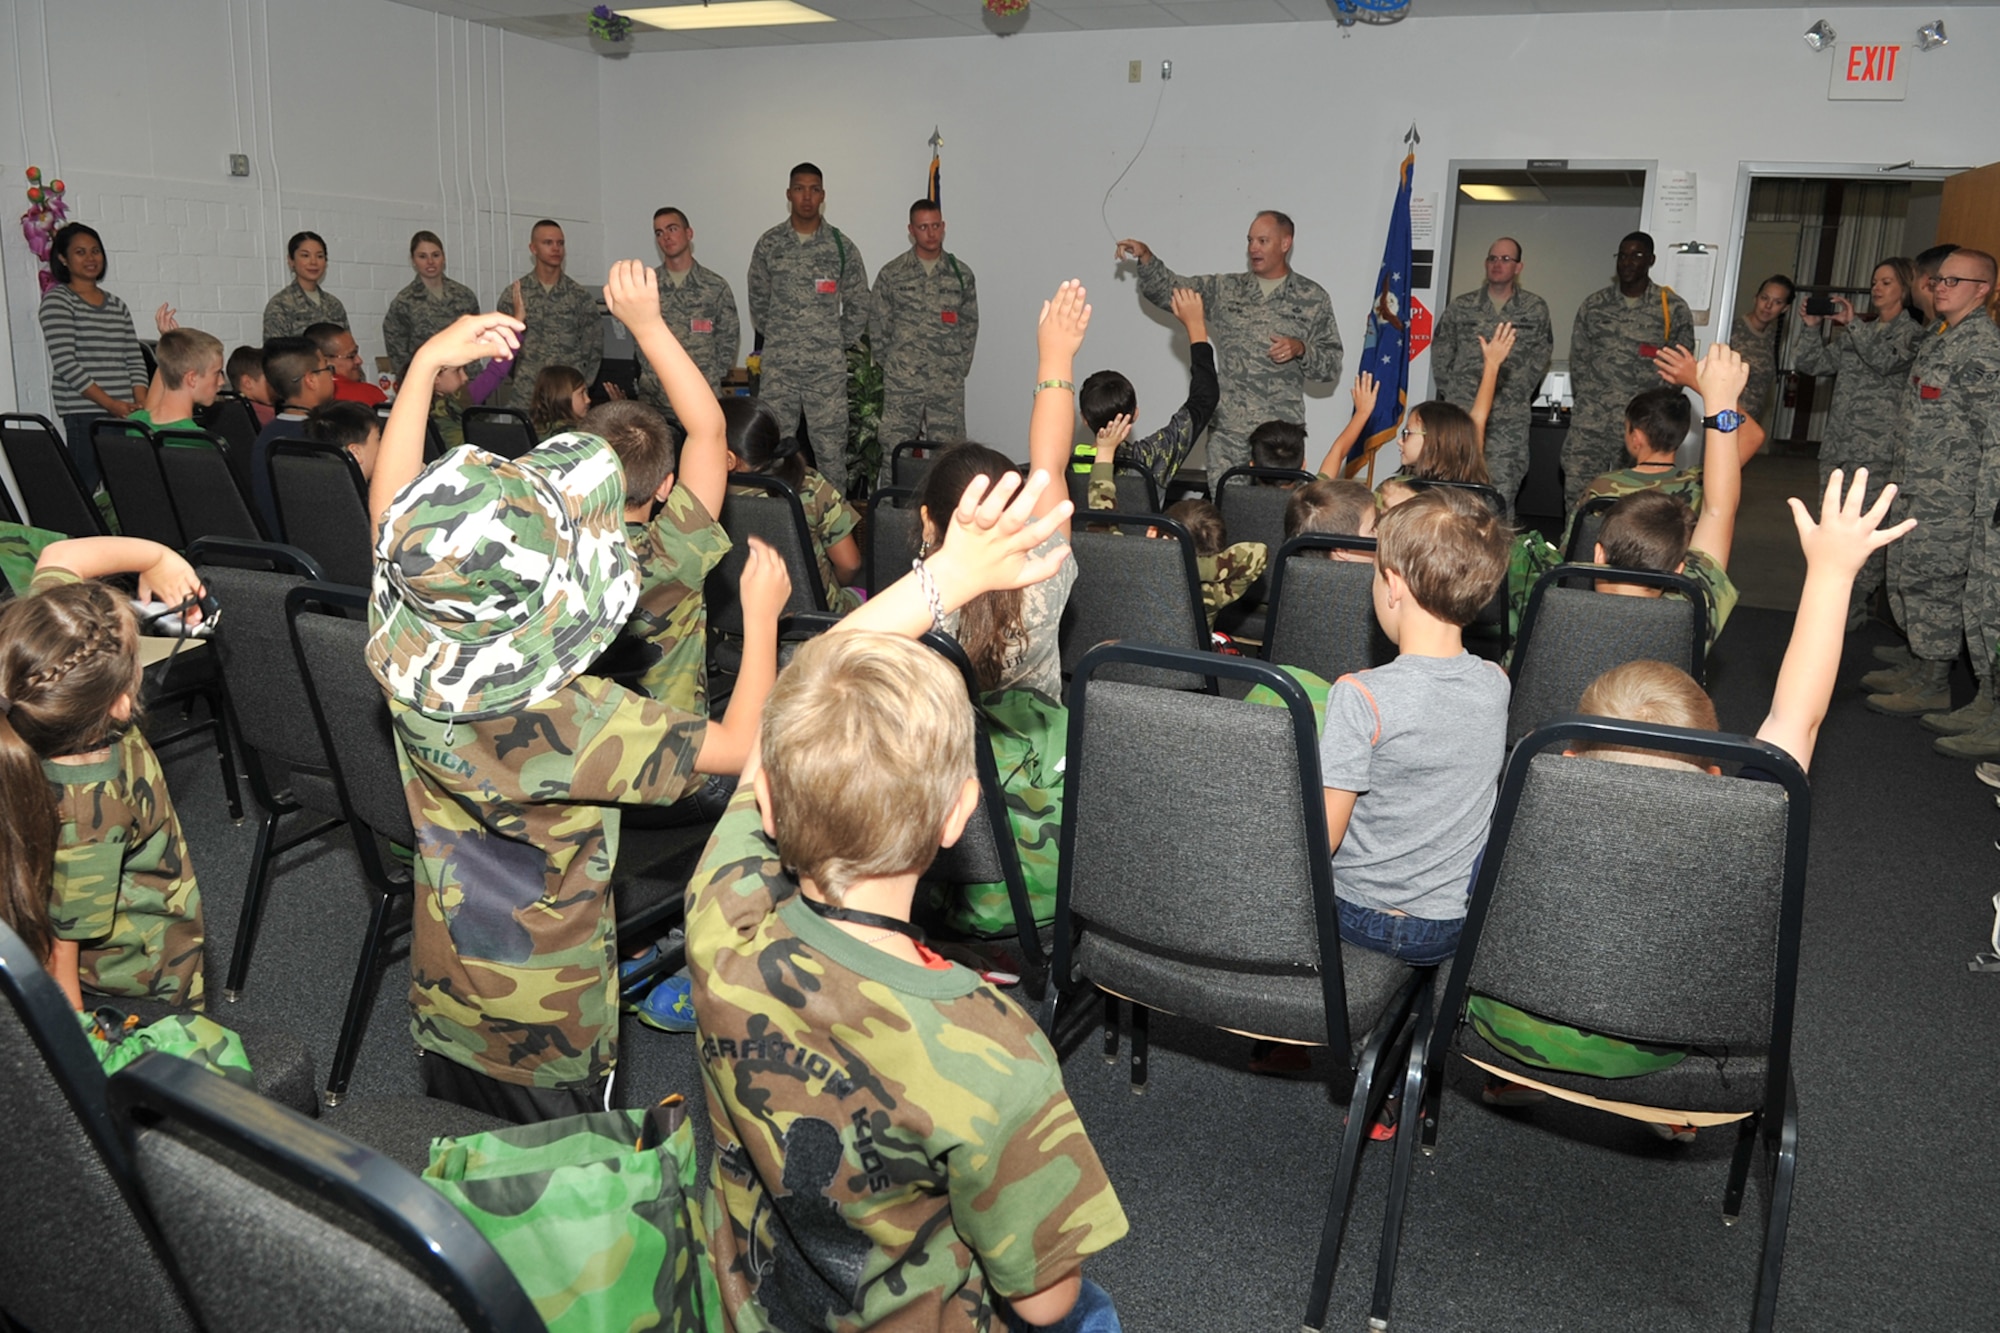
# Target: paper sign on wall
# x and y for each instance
(1867, 72)
(1689, 268)
(1674, 204)
(1423, 221)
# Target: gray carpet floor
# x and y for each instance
(1550, 1218)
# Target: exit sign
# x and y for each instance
(1868, 72)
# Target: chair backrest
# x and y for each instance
(47, 477)
(503, 431)
(910, 462)
(1136, 590)
(1147, 860)
(275, 1221)
(323, 508)
(78, 1250)
(1583, 528)
(1323, 611)
(201, 480)
(1138, 493)
(779, 519)
(1489, 495)
(1253, 501)
(1566, 915)
(1571, 636)
(895, 526)
(329, 633)
(234, 421)
(131, 468)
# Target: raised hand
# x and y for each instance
(632, 295)
(993, 533)
(1116, 431)
(1676, 366)
(1364, 393)
(1846, 535)
(1720, 377)
(474, 338)
(1496, 349)
(1065, 317)
(1131, 249)
(766, 584)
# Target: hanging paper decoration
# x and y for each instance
(44, 218)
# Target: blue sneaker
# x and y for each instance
(669, 1006)
(629, 968)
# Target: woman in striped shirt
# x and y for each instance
(93, 349)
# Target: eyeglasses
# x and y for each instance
(1943, 281)
(322, 370)
(1503, 259)
(1412, 431)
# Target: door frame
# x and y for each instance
(1448, 210)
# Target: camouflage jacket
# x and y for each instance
(893, 1144)
(20, 547)
(1456, 361)
(1163, 452)
(1720, 589)
(1870, 363)
(1241, 323)
(925, 324)
(674, 553)
(1228, 574)
(830, 520)
(290, 312)
(809, 298)
(512, 959)
(1532, 556)
(701, 312)
(123, 888)
(415, 317)
(1760, 353)
(1608, 366)
(1952, 458)
(1686, 483)
(565, 328)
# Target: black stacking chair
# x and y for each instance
(1583, 528)
(274, 1221)
(895, 527)
(434, 447)
(47, 477)
(1253, 501)
(910, 461)
(1322, 616)
(79, 1249)
(234, 421)
(505, 432)
(201, 481)
(127, 458)
(1138, 913)
(323, 508)
(1488, 635)
(1484, 493)
(1564, 922)
(1138, 493)
(1572, 635)
(1138, 590)
(779, 519)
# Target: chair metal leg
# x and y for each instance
(1333, 1227)
(355, 1021)
(1142, 1019)
(1784, 1147)
(253, 907)
(1739, 1169)
(1110, 1029)
(225, 754)
(1419, 1091)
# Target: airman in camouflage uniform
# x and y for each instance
(698, 306)
(1273, 330)
(510, 758)
(1618, 331)
(1870, 363)
(1755, 338)
(893, 1144)
(1457, 363)
(291, 311)
(565, 321)
(809, 298)
(926, 323)
(123, 888)
(416, 314)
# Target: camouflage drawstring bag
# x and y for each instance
(117, 1040)
(1030, 737)
(597, 1216)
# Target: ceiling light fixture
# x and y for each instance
(1820, 35)
(1504, 194)
(1931, 35)
(733, 14)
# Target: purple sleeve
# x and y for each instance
(488, 380)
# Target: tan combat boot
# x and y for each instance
(1888, 679)
(1960, 721)
(1982, 742)
(1895, 654)
(1926, 689)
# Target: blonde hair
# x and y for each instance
(867, 742)
(1647, 691)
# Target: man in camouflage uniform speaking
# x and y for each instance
(1950, 578)
(809, 298)
(1618, 332)
(1456, 362)
(1273, 330)
(926, 322)
(697, 305)
(565, 325)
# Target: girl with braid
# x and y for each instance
(96, 877)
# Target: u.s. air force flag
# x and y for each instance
(1385, 351)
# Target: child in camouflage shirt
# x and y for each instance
(497, 584)
(893, 1145)
(121, 914)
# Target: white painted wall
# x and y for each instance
(1294, 116)
(1566, 252)
(364, 121)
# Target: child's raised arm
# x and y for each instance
(1365, 392)
(632, 294)
(401, 455)
(1492, 352)
(1835, 548)
(1721, 377)
(727, 744)
(1677, 366)
(1058, 336)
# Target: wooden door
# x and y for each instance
(1969, 209)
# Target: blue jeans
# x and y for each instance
(1092, 1313)
(77, 427)
(1417, 940)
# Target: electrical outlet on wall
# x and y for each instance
(1132, 74)
(1166, 69)
(239, 164)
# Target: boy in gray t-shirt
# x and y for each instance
(1411, 752)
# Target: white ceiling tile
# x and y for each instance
(1114, 17)
(935, 25)
(865, 10)
(1229, 11)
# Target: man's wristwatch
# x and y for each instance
(1726, 421)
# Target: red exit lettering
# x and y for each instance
(1872, 64)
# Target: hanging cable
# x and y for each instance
(506, 184)
(1104, 208)
(271, 130)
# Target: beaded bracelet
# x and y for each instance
(1055, 384)
(928, 582)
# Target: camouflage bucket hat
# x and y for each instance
(497, 582)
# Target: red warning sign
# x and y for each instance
(1420, 327)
